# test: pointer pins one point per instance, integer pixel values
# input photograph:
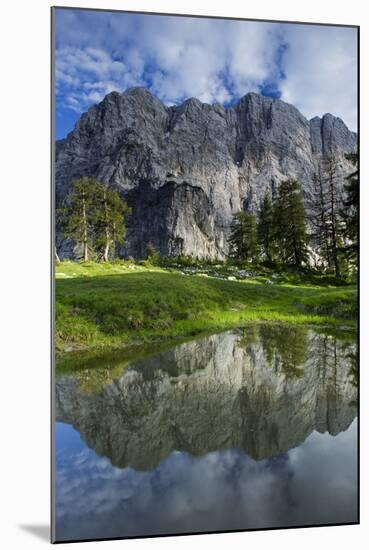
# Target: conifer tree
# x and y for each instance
(93, 217)
(350, 212)
(109, 221)
(243, 242)
(318, 218)
(329, 232)
(332, 184)
(265, 228)
(289, 224)
(78, 215)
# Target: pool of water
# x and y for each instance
(247, 429)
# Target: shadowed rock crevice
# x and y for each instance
(160, 216)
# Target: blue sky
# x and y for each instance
(312, 67)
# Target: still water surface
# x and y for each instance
(240, 430)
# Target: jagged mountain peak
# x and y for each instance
(186, 169)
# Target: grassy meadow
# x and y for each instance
(121, 304)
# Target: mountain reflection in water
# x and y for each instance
(238, 430)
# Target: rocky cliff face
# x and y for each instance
(215, 393)
(185, 170)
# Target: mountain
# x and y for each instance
(185, 170)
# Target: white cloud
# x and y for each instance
(85, 75)
(193, 56)
(321, 71)
(252, 54)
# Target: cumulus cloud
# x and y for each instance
(85, 75)
(313, 67)
(320, 65)
(312, 484)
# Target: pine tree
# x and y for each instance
(265, 228)
(109, 220)
(318, 218)
(78, 215)
(289, 223)
(243, 242)
(93, 217)
(327, 220)
(350, 212)
(332, 184)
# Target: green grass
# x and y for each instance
(116, 305)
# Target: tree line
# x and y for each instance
(283, 232)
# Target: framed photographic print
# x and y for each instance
(205, 242)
